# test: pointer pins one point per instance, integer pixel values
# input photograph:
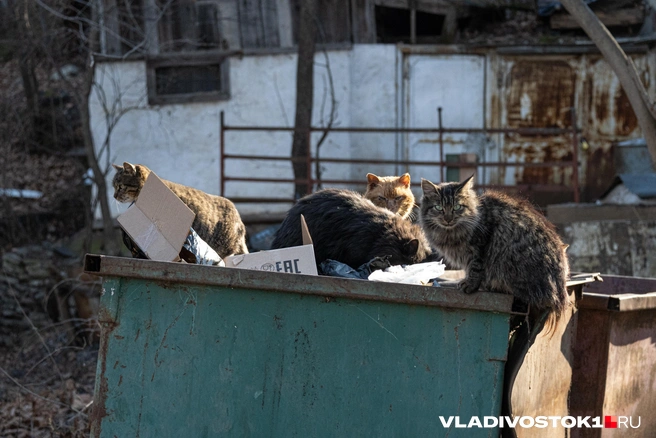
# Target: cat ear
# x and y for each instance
(428, 187)
(411, 247)
(117, 167)
(129, 167)
(372, 180)
(405, 180)
(467, 184)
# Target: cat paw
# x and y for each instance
(468, 286)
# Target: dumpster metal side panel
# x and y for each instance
(542, 385)
(615, 356)
(631, 372)
(589, 367)
(181, 359)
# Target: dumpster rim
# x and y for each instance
(235, 278)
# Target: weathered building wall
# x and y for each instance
(383, 85)
(611, 239)
(180, 142)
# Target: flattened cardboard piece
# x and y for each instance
(307, 239)
(294, 260)
(158, 222)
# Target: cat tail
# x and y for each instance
(559, 305)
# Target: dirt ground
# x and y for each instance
(46, 384)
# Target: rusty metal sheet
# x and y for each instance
(539, 91)
(589, 367)
(630, 384)
(614, 355)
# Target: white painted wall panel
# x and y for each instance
(453, 82)
(181, 142)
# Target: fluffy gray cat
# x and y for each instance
(502, 243)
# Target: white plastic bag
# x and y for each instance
(420, 273)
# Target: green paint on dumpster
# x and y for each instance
(202, 351)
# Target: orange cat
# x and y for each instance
(391, 192)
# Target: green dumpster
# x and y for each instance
(199, 351)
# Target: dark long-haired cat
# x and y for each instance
(502, 243)
(217, 220)
(391, 192)
(350, 229)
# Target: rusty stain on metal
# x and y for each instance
(541, 94)
(599, 171)
(529, 108)
(614, 361)
(559, 165)
(98, 411)
(625, 119)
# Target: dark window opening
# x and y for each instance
(429, 25)
(207, 24)
(394, 25)
(188, 26)
(188, 79)
(197, 79)
(130, 21)
(333, 21)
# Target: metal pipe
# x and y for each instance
(575, 158)
(222, 153)
(520, 131)
(441, 129)
(308, 163)
(404, 162)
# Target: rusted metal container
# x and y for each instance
(190, 350)
(614, 367)
(539, 370)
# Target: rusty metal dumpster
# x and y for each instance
(189, 350)
(614, 367)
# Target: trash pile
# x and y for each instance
(158, 227)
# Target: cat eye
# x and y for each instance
(457, 207)
(438, 207)
(400, 198)
(382, 198)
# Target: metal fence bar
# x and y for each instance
(440, 130)
(575, 158)
(519, 131)
(408, 163)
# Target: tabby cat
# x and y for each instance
(217, 220)
(391, 192)
(502, 243)
(350, 229)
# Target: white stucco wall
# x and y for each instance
(181, 142)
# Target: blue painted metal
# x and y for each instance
(190, 350)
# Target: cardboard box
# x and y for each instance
(158, 222)
(294, 260)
